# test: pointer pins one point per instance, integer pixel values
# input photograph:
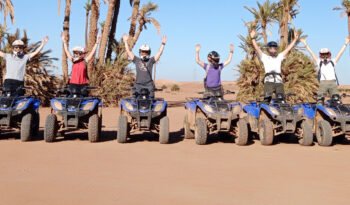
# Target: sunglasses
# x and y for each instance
(78, 53)
(18, 47)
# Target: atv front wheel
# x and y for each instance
(307, 136)
(50, 130)
(324, 133)
(201, 131)
(122, 129)
(188, 134)
(164, 130)
(94, 128)
(266, 132)
(26, 127)
(242, 134)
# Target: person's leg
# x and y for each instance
(333, 88)
(279, 87)
(268, 91)
(322, 92)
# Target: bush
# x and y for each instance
(175, 88)
(164, 87)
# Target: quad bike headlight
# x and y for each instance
(89, 106)
(21, 105)
(57, 105)
(158, 107)
(274, 111)
(208, 108)
(129, 106)
(301, 111)
(331, 112)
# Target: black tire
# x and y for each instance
(266, 133)
(324, 133)
(188, 134)
(307, 136)
(36, 124)
(122, 129)
(164, 130)
(242, 135)
(201, 131)
(94, 128)
(50, 130)
(26, 127)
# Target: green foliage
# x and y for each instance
(175, 88)
(164, 87)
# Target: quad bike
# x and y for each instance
(332, 119)
(74, 110)
(143, 113)
(212, 115)
(19, 112)
(273, 117)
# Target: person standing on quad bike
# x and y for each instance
(16, 64)
(326, 70)
(144, 66)
(80, 58)
(212, 81)
(272, 61)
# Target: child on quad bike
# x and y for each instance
(144, 66)
(272, 61)
(326, 70)
(16, 65)
(79, 76)
(212, 81)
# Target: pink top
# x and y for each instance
(79, 73)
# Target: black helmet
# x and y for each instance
(272, 44)
(214, 56)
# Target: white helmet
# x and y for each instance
(18, 43)
(146, 48)
(325, 51)
(79, 49)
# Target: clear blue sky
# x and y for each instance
(214, 24)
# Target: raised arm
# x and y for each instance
(291, 45)
(255, 44)
(229, 59)
(130, 54)
(161, 49)
(198, 60)
(342, 50)
(93, 51)
(65, 47)
(303, 40)
(2, 54)
(43, 43)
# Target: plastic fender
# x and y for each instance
(29, 101)
(266, 108)
(200, 104)
(252, 109)
(309, 111)
(322, 109)
(191, 106)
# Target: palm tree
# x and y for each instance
(93, 30)
(106, 30)
(345, 8)
(111, 38)
(286, 12)
(265, 14)
(66, 22)
(7, 8)
(135, 12)
(87, 8)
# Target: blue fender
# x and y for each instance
(252, 109)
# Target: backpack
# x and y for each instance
(319, 71)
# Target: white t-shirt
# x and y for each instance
(272, 64)
(15, 66)
(327, 71)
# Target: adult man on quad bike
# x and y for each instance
(16, 64)
(212, 81)
(272, 61)
(144, 66)
(326, 70)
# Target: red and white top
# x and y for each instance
(79, 73)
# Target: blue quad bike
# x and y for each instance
(332, 119)
(213, 115)
(143, 113)
(270, 118)
(74, 109)
(19, 112)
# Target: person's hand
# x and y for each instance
(296, 35)
(45, 40)
(125, 38)
(198, 47)
(303, 40)
(98, 40)
(232, 48)
(64, 40)
(347, 40)
(164, 39)
(253, 33)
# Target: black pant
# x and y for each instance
(78, 89)
(270, 88)
(213, 92)
(138, 87)
(15, 87)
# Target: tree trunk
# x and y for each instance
(86, 28)
(113, 30)
(66, 35)
(106, 31)
(284, 27)
(93, 31)
(264, 33)
(134, 15)
(137, 34)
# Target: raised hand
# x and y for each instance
(303, 40)
(125, 38)
(98, 40)
(232, 48)
(296, 35)
(64, 40)
(198, 47)
(347, 40)
(164, 39)
(45, 40)
(253, 33)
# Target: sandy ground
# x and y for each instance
(73, 171)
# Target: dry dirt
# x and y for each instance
(73, 171)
